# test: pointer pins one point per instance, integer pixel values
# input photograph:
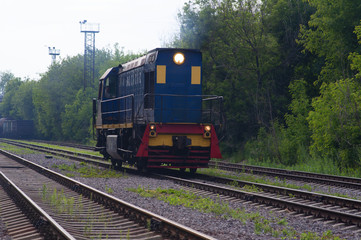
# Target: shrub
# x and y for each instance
(335, 123)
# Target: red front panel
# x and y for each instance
(169, 157)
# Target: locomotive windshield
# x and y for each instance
(149, 90)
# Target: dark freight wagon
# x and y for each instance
(151, 112)
(18, 129)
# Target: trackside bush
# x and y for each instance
(286, 145)
(335, 123)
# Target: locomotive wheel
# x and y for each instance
(117, 164)
(142, 169)
(193, 170)
(182, 170)
(141, 165)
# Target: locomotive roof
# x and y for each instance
(142, 60)
(178, 49)
(145, 59)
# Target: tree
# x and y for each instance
(284, 18)
(5, 77)
(77, 117)
(8, 105)
(23, 100)
(335, 122)
(355, 57)
(329, 35)
(62, 108)
(241, 61)
(56, 89)
(297, 135)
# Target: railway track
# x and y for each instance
(85, 212)
(325, 179)
(328, 208)
(22, 218)
(306, 177)
(73, 145)
(336, 209)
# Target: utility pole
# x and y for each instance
(89, 30)
(53, 53)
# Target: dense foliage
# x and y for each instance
(58, 103)
(250, 57)
(289, 71)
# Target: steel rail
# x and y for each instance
(333, 180)
(288, 202)
(298, 207)
(73, 145)
(326, 199)
(339, 181)
(63, 153)
(167, 228)
(318, 197)
(49, 228)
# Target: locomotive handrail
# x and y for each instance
(118, 98)
(203, 111)
(125, 103)
(213, 98)
(182, 95)
(221, 117)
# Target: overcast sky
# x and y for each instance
(29, 27)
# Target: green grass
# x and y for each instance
(315, 165)
(75, 210)
(263, 180)
(58, 200)
(251, 178)
(272, 226)
(88, 171)
(82, 169)
(16, 149)
(82, 151)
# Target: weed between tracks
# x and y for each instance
(78, 211)
(89, 152)
(83, 169)
(276, 227)
(60, 201)
(252, 178)
(16, 149)
(264, 180)
(88, 171)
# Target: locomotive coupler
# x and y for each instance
(181, 142)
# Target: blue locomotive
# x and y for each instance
(151, 112)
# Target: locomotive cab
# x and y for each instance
(151, 112)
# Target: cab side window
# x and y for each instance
(110, 87)
(101, 83)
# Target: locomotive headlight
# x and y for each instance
(207, 128)
(152, 130)
(178, 58)
(207, 131)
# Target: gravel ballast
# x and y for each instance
(3, 234)
(207, 223)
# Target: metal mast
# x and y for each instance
(89, 30)
(53, 53)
